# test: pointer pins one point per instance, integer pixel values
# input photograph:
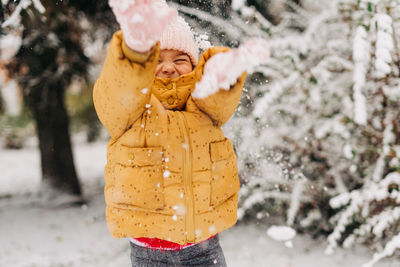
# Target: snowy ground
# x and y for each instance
(36, 233)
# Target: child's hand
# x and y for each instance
(223, 69)
(142, 21)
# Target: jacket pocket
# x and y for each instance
(139, 177)
(224, 172)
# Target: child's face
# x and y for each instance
(173, 63)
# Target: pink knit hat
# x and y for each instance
(178, 36)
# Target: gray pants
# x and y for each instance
(206, 253)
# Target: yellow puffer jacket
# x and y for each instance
(170, 172)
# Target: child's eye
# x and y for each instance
(180, 60)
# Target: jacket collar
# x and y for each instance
(174, 92)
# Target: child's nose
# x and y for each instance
(168, 69)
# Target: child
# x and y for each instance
(171, 175)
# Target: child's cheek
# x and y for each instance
(184, 68)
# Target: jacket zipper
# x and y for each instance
(187, 180)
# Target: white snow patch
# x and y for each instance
(9, 46)
(14, 19)
(202, 41)
(361, 55)
(281, 233)
(289, 244)
(238, 4)
(348, 151)
(38, 5)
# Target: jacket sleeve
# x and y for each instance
(124, 86)
(221, 105)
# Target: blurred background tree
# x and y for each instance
(50, 59)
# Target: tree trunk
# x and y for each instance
(58, 170)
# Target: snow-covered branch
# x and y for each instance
(14, 19)
(361, 51)
(389, 249)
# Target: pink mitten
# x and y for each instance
(223, 69)
(142, 21)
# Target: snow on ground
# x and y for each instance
(37, 234)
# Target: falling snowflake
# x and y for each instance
(166, 174)
(289, 244)
(198, 232)
(212, 229)
(180, 209)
